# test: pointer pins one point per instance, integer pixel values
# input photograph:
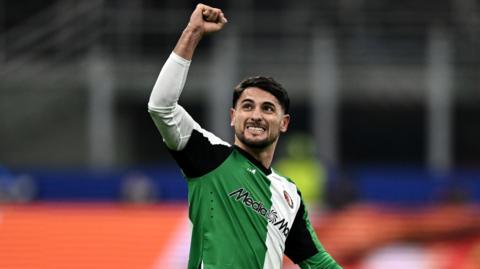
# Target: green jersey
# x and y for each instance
(243, 215)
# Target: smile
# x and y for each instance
(256, 129)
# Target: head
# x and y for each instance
(259, 112)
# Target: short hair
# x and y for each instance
(267, 84)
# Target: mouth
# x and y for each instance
(255, 129)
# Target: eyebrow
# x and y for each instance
(248, 100)
(269, 103)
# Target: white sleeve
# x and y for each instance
(173, 122)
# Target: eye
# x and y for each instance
(269, 108)
(247, 106)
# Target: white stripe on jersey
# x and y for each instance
(213, 139)
(275, 240)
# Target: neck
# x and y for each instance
(263, 155)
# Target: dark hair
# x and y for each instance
(267, 84)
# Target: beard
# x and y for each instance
(255, 144)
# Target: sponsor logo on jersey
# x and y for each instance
(243, 196)
(252, 170)
(288, 199)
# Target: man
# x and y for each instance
(244, 214)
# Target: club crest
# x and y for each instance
(288, 199)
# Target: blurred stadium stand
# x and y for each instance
(376, 82)
(388, 90)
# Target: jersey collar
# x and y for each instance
(247, 155)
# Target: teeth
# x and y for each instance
(258, 129)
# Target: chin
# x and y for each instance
(257, 143)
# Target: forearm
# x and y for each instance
(171, 80)
(188, 42)
(203, 20)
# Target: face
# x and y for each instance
(258, 119)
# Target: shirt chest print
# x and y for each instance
(242, 196)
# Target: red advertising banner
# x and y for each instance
(121, 236)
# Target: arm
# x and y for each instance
(304, 248)
(204, 19)
(173, 122)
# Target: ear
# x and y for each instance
(284, 123)
(232, 116)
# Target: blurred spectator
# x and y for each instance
(16, 189)
(23, 189)
(138, 188)
(300, 164)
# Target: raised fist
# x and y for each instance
(207, 19)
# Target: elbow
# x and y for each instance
(163, 114)
(161, 110)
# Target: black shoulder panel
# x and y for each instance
(200, 156)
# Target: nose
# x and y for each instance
(256, 114)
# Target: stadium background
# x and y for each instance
(387, 91)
